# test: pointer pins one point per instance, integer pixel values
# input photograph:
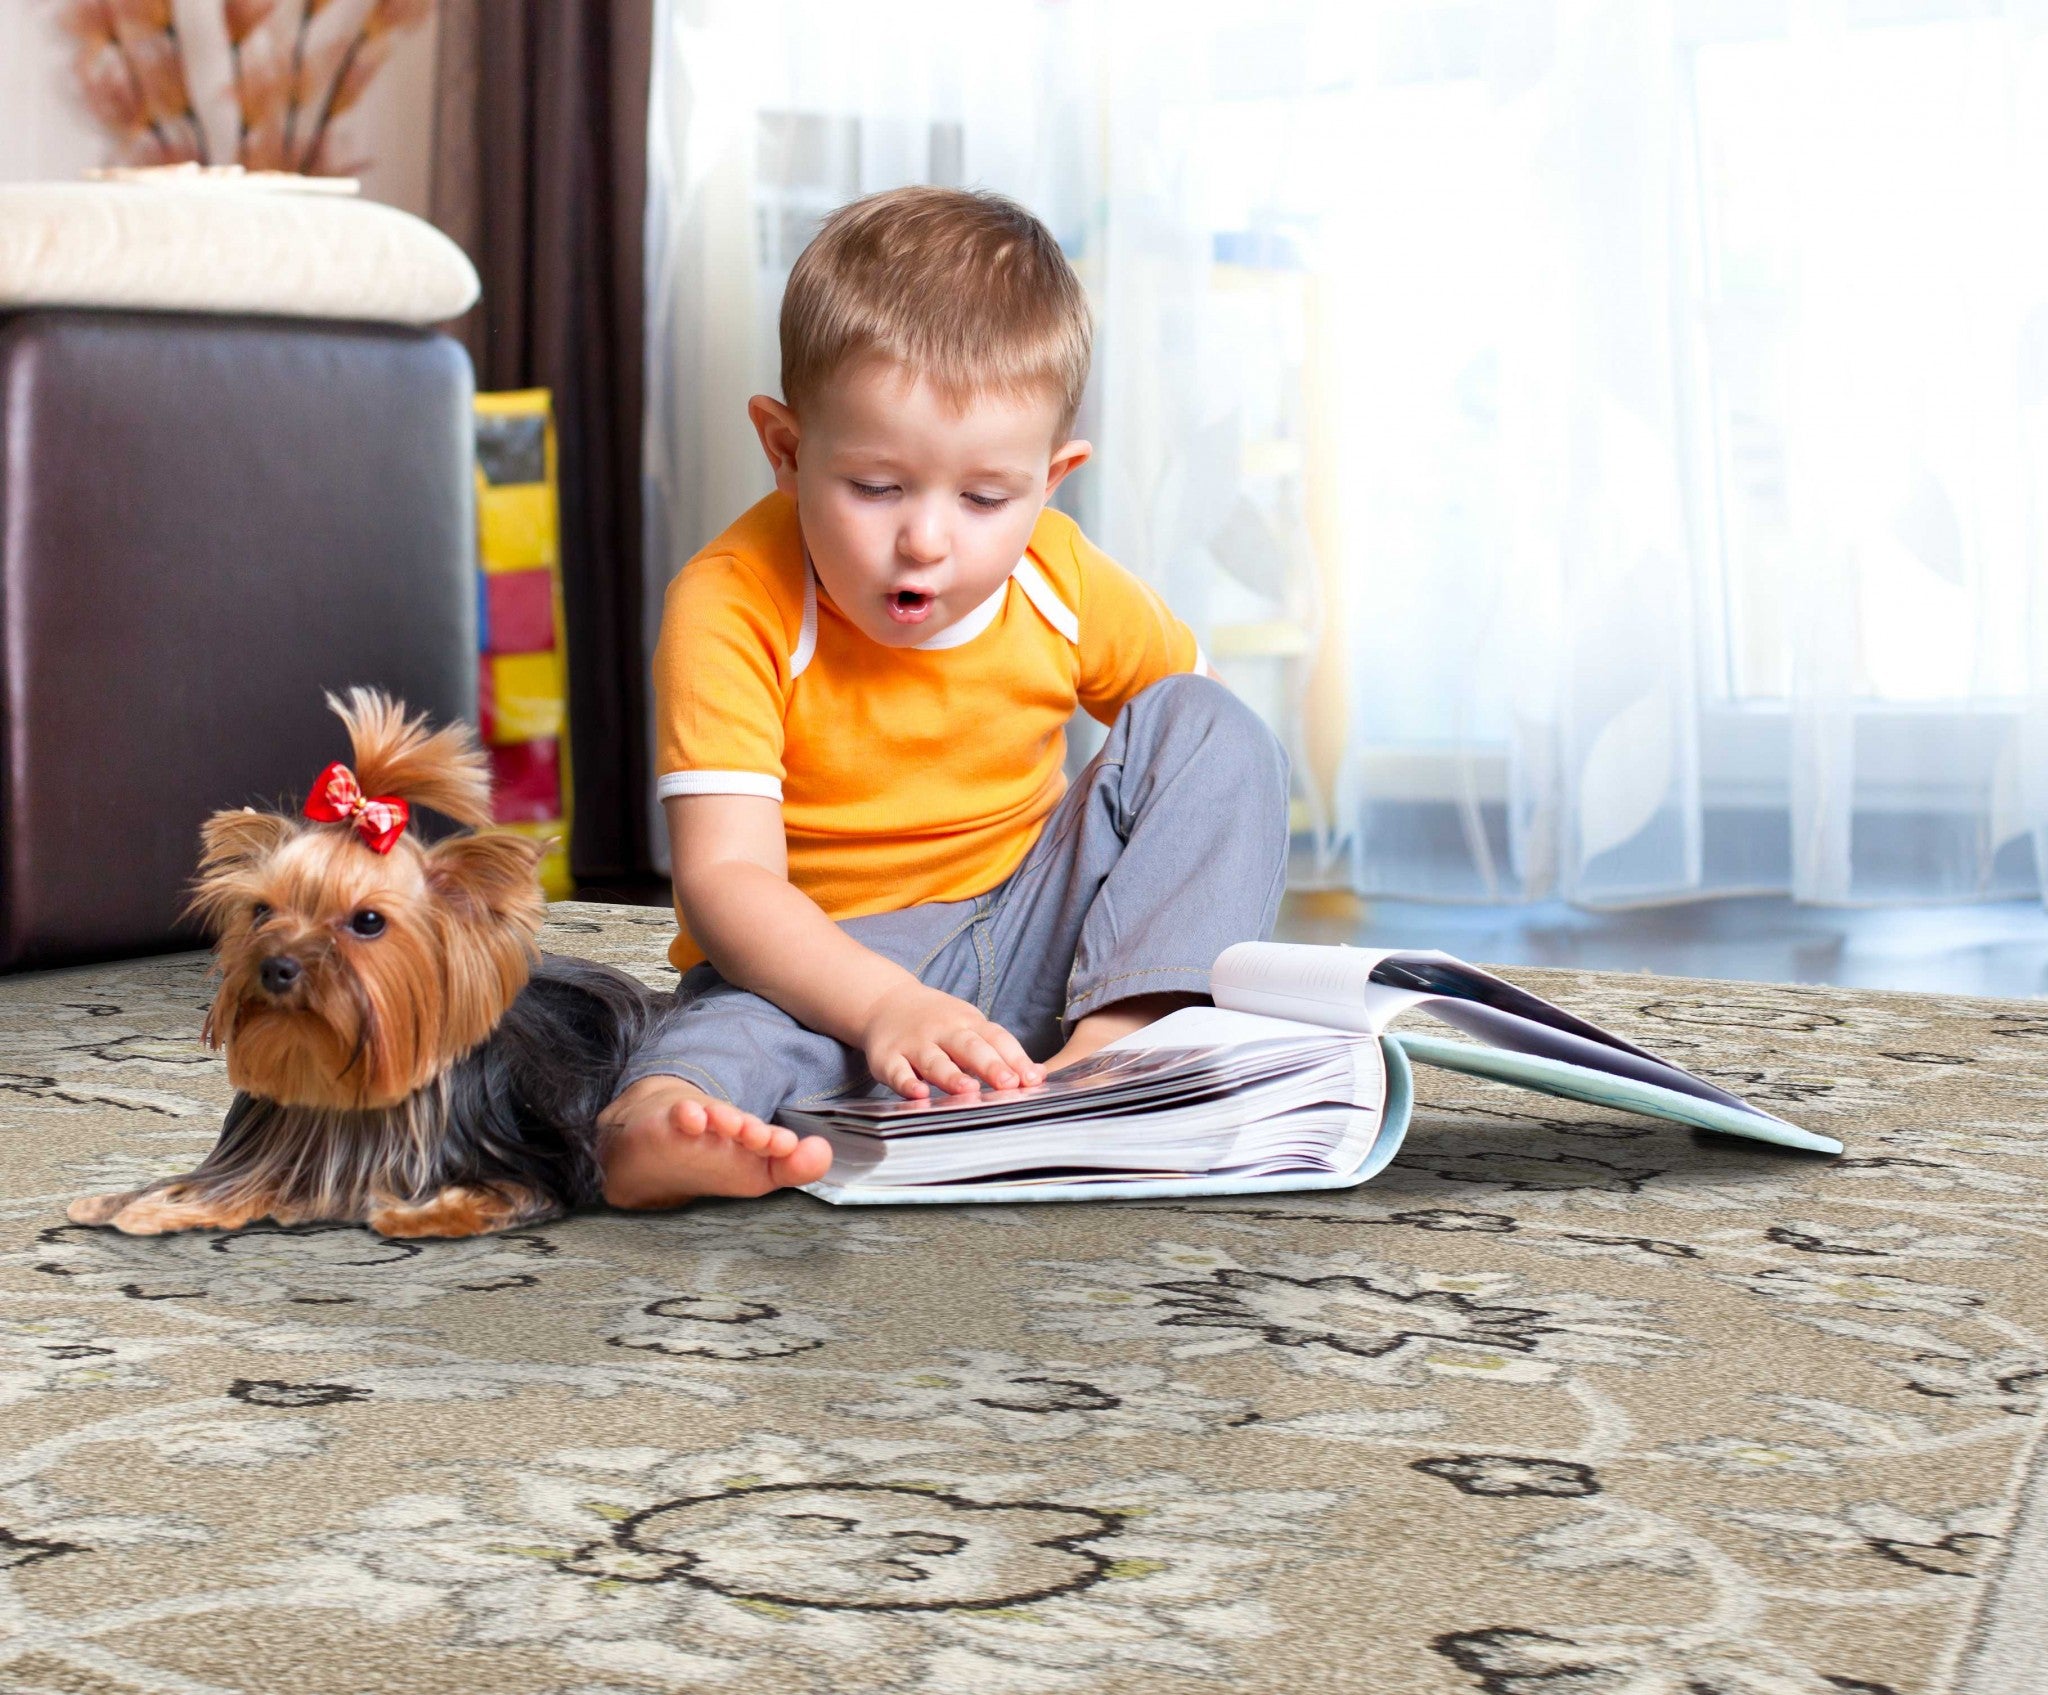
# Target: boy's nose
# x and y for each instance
(923, 539)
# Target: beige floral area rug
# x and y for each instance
(1565, 1403)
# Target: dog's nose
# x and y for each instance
(279, 972)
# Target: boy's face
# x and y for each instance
(914, 510)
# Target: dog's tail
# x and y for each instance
(396, 755)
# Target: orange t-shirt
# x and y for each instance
(905, 775)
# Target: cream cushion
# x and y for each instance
(226, 248)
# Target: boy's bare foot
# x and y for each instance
(1099, 1029)
(667, 1142)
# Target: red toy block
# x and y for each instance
(526, 783)
(520, 611)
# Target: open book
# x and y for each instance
(1290, 1081)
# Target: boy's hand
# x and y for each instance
(915, 1035)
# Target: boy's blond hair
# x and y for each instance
(963, 288)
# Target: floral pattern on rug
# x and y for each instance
(1563, 1403)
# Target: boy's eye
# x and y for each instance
(366, 923)
(875, 491)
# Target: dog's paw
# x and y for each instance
(161, 1211)
(460, 1210)
(98, 1209)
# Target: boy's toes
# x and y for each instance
(722, 1118)
(768, 1140)
(806, 1161)
(742, 1129)
(688, 1118)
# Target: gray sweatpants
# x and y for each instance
(1169, 847)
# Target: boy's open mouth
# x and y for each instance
(911, 606)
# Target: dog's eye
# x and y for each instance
(366, 923)
(258, 913)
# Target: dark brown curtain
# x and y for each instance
(540, 172)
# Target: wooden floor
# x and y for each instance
(1998, 948)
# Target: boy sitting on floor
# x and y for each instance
(862, 689)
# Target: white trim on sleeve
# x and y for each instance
(1201, 666)
(807, 639)
(672, 783)
(1051, 608)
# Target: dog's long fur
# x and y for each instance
(510, 1120)
(433, 1076)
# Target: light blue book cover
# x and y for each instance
(1280, 1011)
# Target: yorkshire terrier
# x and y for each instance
(405, 1056)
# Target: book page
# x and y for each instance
(1175, 1065)
(1217, 1027)
(1367, 988)
(1314, 985)
(1151, 1075)
(1314, 1139)
(1504, 1016)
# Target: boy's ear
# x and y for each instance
(1069, 457)
(780, 433)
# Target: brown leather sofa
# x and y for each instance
(206, 522)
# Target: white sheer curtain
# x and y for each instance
(1610, 442)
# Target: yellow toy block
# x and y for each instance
(518, 529)
(527, 703)
(515, 526)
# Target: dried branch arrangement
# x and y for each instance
(293, 69)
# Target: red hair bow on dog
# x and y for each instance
(337, 797)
